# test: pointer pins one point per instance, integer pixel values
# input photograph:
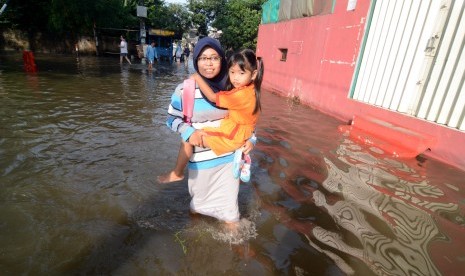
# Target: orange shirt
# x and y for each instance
(238, 126)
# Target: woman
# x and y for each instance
(123, 50)
(212, 186)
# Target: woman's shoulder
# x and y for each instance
(178, 90)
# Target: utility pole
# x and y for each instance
(142, 14)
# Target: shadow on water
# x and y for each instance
(83, 140)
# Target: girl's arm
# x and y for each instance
(205, 88)
(249, 144)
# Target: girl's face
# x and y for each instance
(239, 77)
(209, 63)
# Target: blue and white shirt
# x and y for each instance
(205, 114)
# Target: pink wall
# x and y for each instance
(321, 60)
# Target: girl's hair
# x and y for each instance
(246, 60)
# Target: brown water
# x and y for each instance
(82, 141)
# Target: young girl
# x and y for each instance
(243, 102)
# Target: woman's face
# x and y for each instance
(209, 63)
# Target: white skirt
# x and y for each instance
(215, 192)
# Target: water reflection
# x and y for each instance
(385, 216)
(82, 141)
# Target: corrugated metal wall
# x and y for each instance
(412, 60)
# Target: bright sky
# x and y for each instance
(176, 1)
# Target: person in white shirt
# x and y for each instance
(123, 50)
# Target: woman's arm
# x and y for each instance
(205, 88)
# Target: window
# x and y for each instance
(283, 54)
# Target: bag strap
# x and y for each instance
(188, 97)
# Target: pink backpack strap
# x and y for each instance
(188, 97)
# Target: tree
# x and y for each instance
(237, 19)
(27, 15)
(61, 18)
(239, 22)
(80, 16)
(181, 18)
(65, 18)
(204, 12)
(173, 17)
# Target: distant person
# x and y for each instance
(151, 55)
(76, 49)
(123, 50)
(187, 52)
(155, 52)
(175, 46)
(178, 51)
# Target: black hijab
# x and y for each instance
(219, 82)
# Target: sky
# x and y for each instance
(176, 1)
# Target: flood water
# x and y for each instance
(81, 144)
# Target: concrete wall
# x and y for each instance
(17, 40)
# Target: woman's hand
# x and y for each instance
(247, 147)
(196, 138)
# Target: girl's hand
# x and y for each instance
(194, 76)
(196, 138)
(247, 147)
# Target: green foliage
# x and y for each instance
(205, 12)
(28, 15)
(239, 21)
(173, 17)
(80, 16)
(62, 18)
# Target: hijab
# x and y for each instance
(219, 82)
